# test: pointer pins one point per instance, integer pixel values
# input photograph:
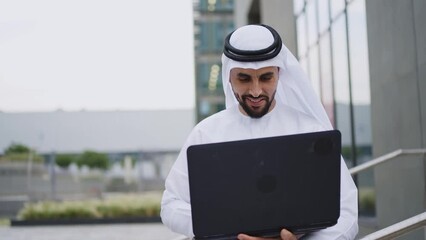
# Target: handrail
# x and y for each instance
(399, 229)
(385, 158)
(404, 226)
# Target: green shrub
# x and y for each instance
(64, 160)
(19, 152)
(16, 148)
(128, 205)
(57, 210)
(131, 206)
(367, 200)
(22, 157)
(93, 160)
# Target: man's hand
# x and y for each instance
(284, 235)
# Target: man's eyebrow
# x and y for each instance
(267, 74)
(244, 75)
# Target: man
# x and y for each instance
(267, 94)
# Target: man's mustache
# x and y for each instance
(251, 96)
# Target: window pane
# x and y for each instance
(311, 15)
(341, 84)
(361, 97)
(222, 28)
(337, 6)
(323, 15)
(203, 36)
(360, 78)
(212, 34)
(340, 61)
(217, 42)
(326, 77)
(202, 74)
(314, 69)
(359, 52)
(209, 77)
(301, 36)
(225, 5)
(216, 5)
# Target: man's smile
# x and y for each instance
(255, 102)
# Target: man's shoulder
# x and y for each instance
(298, 117)
(211, 128)
(217, 118)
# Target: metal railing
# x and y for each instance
(385, 158)
(398, 229)
(404, 226)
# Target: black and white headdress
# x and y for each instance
(259, 46)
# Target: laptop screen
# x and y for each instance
(259, 186)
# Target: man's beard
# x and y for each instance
(258, 113)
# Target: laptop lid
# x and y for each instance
(259, 186)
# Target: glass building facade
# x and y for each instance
(213, 21)
(332, 48)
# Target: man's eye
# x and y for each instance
(266, 78)
(244, 79)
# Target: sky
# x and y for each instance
(93, 55)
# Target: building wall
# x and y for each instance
(106, 131)
(419, 7)
(242, 8)
(397, 53)
(279, 14)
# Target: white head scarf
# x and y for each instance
(294, 87)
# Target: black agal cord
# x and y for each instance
(254, 55)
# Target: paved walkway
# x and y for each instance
(146, 231)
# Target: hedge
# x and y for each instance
(126, 205)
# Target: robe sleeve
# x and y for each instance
(175, 204)
(347, 224)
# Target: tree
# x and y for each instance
(17, 148)
(93, 159)
(20, 152)
(64, 160)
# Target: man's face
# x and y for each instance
(255, 89)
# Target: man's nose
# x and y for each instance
(255, 89)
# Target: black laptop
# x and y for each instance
(259, 186)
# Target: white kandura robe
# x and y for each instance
(231, 124)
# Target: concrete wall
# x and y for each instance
(397, 53)
(419, 7)
(276, 13)
(279, 14)
(242, 8)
